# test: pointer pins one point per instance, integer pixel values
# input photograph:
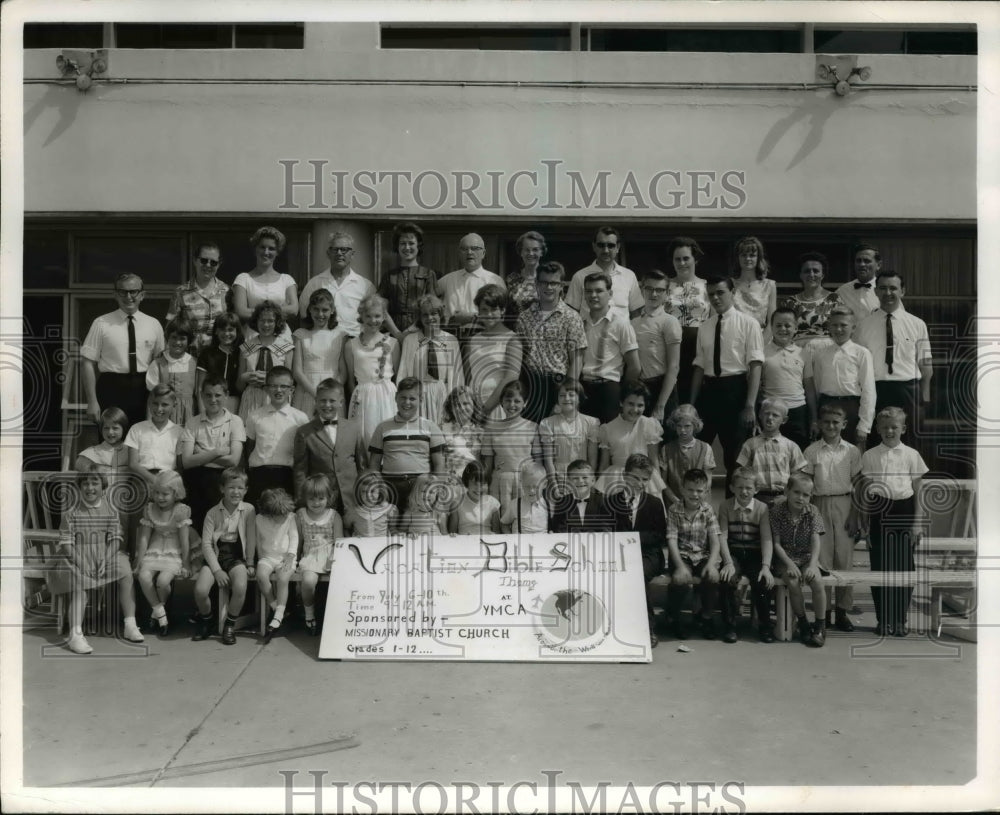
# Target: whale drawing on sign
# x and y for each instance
(361, 561)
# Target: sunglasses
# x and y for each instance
(208, 262)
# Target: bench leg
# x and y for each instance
(782, 613)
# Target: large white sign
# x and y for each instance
(559, 598)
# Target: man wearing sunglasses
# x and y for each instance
(203, 298)
(116, 353)
(626, 296)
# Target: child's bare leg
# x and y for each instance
(795, 595)
(202, 587)
(281, 598)
(819, 599)
(237, 589)
(164, 585)
(126, 597)
(77, 605)
(264, 582)
(148, 587)
(308, 585)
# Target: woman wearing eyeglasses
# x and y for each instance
(203, 298)
(264, 282)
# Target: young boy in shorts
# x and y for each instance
(770, 455)
(781, 376)
(835, 464)
(796, 527)
(229, 542)
(745, 538)
(692, 551)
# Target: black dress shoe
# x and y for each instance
(881, 629)
(844, 622)
(680, 630)
(766, 633)
(229, 633)
(730, 636)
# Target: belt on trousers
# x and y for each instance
(834, 495)
(707, 379)
(845, 396)
(595, 379)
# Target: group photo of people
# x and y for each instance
(263, 423)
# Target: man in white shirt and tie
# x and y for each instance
(859, 294)
(626, 297)
(901, 354)
(347, 286)
(458, 289)
(726, 378)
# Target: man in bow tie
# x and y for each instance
(859, 294)
(329, 445)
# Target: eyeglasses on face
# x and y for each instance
(342, 250)
(208, 262)
(128, 292)
(654, 289)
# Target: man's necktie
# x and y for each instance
(862, 285)
(717, 351)
(328, 422)
(133, 363)
(888, 342)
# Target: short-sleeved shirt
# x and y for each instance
(626, 296)
(273, 433)
(402, 288)
(742, 343)
(608, 340)
(209, 434)
(347, 296)
(655, 333)
(890, 470)
(406, 446)
(795, 534)
(106, 343)
(911, 345)
(742, 524)
(157, 447)
(832, 466)
(782, 374)
(199, 307)
(843, 370)
(550, 337)
(773, 459)
(691, 533)
(458, 289)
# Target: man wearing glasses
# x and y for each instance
(116, 353)
(458, 289)
(347, 286)
(626, 298)
(203, 298)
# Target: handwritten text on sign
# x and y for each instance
(515, 597)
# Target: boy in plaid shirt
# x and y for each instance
(771, 456)
(692, 551)
(795, 529)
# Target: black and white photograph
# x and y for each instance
(499, 406)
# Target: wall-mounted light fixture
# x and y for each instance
(83, 66)
(842, 71)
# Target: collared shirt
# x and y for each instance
(654, 333)
(414, 351)
(402, 288)
(273, 433)
(843, 370)
(740, 524)
(691, 533)
(210, 434)
(781, 375)
(608, 340)
(890, 470)
(158, 448)
(458, 289)
(795, 534)
(626, 296)
(862, 301)
(219, 522)
(347, 295)
(107, 342)
(773, 459)
(832, 466)
(176, 367)
(550, 337)
(406, 446)
(911, 345)
(199, 307)
(742, 343)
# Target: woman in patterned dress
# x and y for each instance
(687, 300)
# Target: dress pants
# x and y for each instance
(891, 541)
(601, 399)
(720, 403)
(541, 393)
(125, 391)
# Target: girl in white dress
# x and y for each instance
(319, 346)
(320, 527)
(629, 433)
(432, 356)
(277, 548)
(479, 512)
(370, 359)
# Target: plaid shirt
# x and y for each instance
(795, 534)
(772, 459)
(551, 339)
(199, 309)
(691, 533)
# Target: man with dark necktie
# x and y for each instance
(901, 355)
(726, 377)
(859, 294)
(116, 353)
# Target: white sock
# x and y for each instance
(279, 613)
(130, 621)
(159, 611)
(310, 612)
(77, 631)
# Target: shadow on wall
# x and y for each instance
(65, 99)
(816, 113)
